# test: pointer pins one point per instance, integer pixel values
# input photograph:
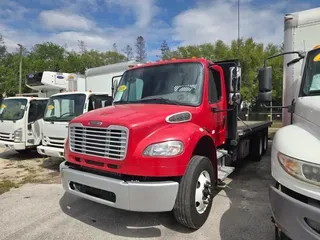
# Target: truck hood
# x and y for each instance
(55, 130)
(10, 126)
(308, 108)
(133, 115)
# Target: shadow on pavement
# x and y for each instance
(249, 215)
(13, 155)
(52, 163)
(119, 222)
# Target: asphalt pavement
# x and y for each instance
(43, 211)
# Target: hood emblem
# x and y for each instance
(95, 123)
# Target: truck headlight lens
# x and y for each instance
(18, 135)
(302, 170)
(168, 148)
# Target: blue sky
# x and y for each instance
(100, 23)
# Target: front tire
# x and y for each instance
(280, 235)
(24, 151)
(194, 199)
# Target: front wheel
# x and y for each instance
(23, 151)
(280, 235)
(194, 199)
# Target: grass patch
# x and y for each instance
(6, 185)
(30, 179)
(276, 124)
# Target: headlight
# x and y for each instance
(169, 148)
(302, 170)
(18, 135)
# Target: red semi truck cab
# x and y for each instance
(162, 146)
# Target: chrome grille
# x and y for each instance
(6, 137)
(53, 142)
(108, 142)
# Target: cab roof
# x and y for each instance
(27, 98)
(204, 61)
(80, 92)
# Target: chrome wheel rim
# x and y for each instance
(203, 192)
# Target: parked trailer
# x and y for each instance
(92, 91)
(295, 165)
(171, 136)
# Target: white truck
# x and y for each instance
(95, 92)
(21, 116)
(295, 161)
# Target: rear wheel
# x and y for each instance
(194, 199)
(256, 148)
(265, 143)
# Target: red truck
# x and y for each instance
(170, 137)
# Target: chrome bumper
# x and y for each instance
(50, 151)
(12, 145)
(132, 196)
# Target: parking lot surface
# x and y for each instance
(43, 211)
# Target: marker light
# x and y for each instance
(316, 47)
(173, 59)
(193, 57)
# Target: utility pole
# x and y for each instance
(20, 67)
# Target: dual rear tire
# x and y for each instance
(195, 194)
(258, 146)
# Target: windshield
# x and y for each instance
(13, 109)
(64, 108)
(311, 85)
(176, 83)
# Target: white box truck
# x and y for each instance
(295, 161)
(21, 116)
(95, 92)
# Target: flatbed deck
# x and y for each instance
(247, 127)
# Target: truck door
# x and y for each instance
(232, 83)
(98, 101)
(217, 104)
(34, 126)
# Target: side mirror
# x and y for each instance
(265, 84)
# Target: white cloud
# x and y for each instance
(215, 20)
(208, 21)
(59, 20)
(144, 10)
(11, 11)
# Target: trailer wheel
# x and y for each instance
(194, 199)
(256, 148)
(265, 143)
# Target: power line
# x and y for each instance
(238, 28)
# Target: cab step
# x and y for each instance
(223, 170)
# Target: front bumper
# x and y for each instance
(290, 215)
(12, 145)
(132, 196)
(50, 151)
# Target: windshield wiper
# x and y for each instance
(121, 102)
(160, 100)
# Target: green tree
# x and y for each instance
(128, 51)
(141, 49)
(165, 51)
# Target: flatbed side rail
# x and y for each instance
(251, 128)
